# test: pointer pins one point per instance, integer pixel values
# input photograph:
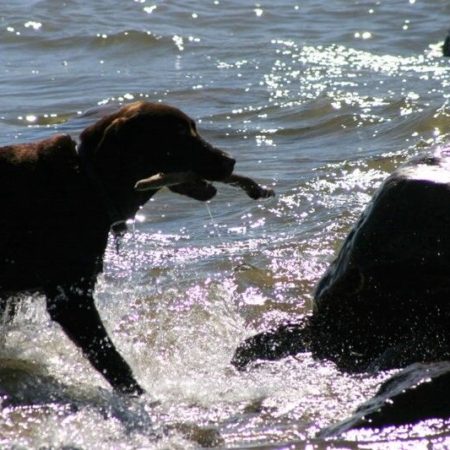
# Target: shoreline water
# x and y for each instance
(320, 101)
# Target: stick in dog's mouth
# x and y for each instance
(160, 180)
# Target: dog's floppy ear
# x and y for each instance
(102, 143)
(92, 135)
(109, 143)
(101, 132)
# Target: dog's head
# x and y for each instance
(143, 139)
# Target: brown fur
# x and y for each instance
(58, 205)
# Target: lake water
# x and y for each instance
(319, 99)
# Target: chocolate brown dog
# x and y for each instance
(59, 202)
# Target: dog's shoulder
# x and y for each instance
(38, 166)
(56, 148)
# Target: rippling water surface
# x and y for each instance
(320, 100)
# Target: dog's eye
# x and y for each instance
(190, 130)
(193, 130)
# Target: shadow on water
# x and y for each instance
(26, 386)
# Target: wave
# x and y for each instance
(133, 39)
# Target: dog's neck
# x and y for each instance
(116, 219)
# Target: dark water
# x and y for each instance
(320, 100)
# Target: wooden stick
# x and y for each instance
(251, 187)
(160, 180)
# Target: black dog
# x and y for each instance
(58, 204)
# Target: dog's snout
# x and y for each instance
(214, 164)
